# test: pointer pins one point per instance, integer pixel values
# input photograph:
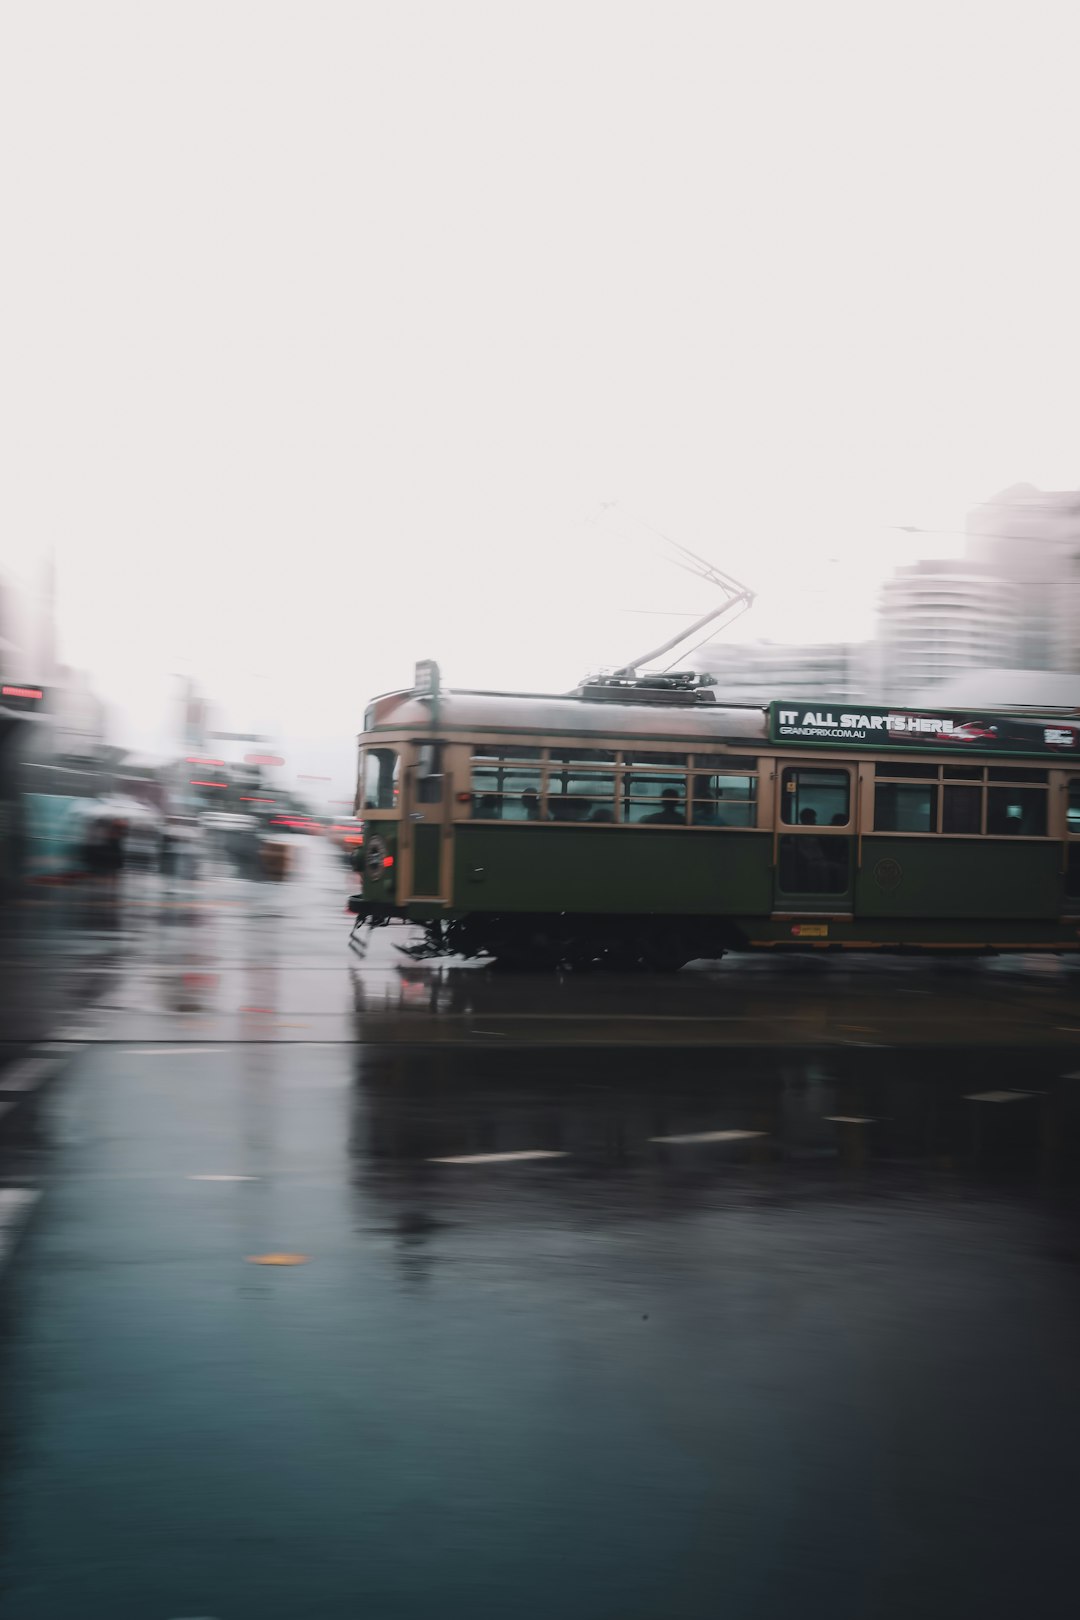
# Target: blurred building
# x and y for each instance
(24, 643)
(1030, 540)
(1011, 602)
(759, 671)
(939, 617)
(1030, 689)
(52, 726)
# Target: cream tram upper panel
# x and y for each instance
(471, 712)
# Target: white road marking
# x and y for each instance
(173, 1051)
(27, 1074)
(222, 1178)
(709, 1136)
(995, 1096)
(849, 1119)
(497, 1158)
(15, 1205)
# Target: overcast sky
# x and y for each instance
(331, 330)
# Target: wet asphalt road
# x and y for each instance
(818, 1357)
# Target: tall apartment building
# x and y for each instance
(940, 617)
(1011, 602)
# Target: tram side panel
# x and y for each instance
(623, 871)
(954, 878)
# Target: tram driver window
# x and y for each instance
(815, 798)
(381, 771)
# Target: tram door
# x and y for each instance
(814, 838)
(424, 827)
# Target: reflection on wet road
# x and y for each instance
(610, 1332)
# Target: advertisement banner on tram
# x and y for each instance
(825, 724)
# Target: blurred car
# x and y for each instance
(184, 828)
(290, 823)
(226, 821)
(346, 835)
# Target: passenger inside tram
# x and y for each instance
(671, 814)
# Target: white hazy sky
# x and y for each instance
(329, 329)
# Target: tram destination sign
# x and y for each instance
(825, 724)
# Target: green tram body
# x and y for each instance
(969, 841)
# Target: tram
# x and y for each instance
(639, 822)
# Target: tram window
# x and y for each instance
(659, 800)
(905, 807)
(1016, 811)
(724, 762)
(811, 865)
(961, 810)
(505, 793)
(724, 801)
(429, 779)
(962, 773)
(812, 797)
(1073, 811)
(918, 773)
(636, 758)
(382, 769)
(1016, 773)
(582, 756)
(580, 795)
(481, 753)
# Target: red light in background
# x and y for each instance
(194, 759)
(208, 784)
(253, 798)
(21, 691)
(388, 860)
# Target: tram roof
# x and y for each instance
(564, 714)
(654, 720)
